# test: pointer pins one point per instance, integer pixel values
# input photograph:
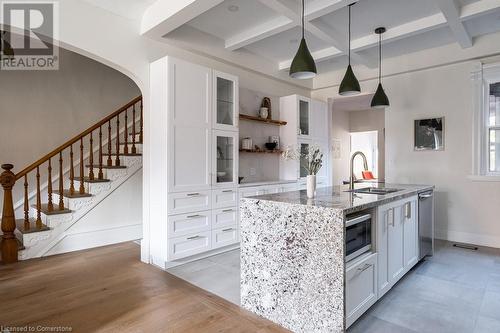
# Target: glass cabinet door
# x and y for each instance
(304, 118)
(225, 154)
(226, 102)
(303, 162)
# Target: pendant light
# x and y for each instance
(350, 84)
(380, 99)
(303, 66)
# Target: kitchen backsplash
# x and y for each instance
(257, 167)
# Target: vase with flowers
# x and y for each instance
(314, 161)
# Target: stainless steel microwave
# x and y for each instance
(358, 235)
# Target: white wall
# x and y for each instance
(466, 211)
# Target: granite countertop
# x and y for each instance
(268, 182)
(339, 198)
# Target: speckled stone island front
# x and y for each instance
(292, 254)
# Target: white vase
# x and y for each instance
(311, 186)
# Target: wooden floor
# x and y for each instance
(110, 290)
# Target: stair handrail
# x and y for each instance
(77, 138)
(9, 244)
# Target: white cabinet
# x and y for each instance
(194, 157)
(225, 158)
(397, 241)
(225, 102)
(189, 97)
(304, 116)
(320, 123)
(224, 217)
(224, 237)
(361, 287)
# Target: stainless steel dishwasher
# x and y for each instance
(426, 223)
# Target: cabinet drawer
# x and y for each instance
(189, 245)
(361, 287)
(252, 193)
(179, 203)
(181, 225)
(224, 198)
(224, 217)
(225, 236)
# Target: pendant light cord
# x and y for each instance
(303, 15)
(350, 34)
(379, 58)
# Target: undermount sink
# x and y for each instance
(375, 190)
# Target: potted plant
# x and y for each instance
(314, 158)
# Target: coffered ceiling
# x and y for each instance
(269, 30)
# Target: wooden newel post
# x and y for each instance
(9, 243)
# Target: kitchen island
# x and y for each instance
(293, 254)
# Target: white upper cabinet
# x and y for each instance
(226, 104)
(189, 129)
(319, 120)
(225, 158)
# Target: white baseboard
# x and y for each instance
(97, 238)
(468, 238)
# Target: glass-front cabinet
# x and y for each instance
(304, 117)
(225, 158)
(304, 161)
(225, 102)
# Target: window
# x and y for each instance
(486, 79)
(493, 127)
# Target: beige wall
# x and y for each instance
(466, 211)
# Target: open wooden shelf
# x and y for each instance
(262, 120)
(276, 151)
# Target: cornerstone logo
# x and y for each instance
(29, 39)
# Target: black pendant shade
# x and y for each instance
(303, 66)
(380, 99)
(349, 84)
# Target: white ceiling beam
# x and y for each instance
(164, 16)
(479, 8)
(392, 34)
(260, 32)
(318, 56)
(319, 8)
(451, 12)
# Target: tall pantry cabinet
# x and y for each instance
(194, 161)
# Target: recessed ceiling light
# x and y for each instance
(233, 8)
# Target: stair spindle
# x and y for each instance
(61, 182)
(38, 222)
(50, 204)
(134, 149)
(117, 160)
(141, 140)
(82, 178)
(125, 149)
(71, 171)
(26, 205)
(100, 174)
(91, 157)
(110, 161)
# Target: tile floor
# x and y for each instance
(457, 290)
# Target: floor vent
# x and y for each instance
(467, 247)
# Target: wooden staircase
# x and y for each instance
(103, 157)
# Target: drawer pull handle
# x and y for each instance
(226, 230)
(193, 216)
(228, 210)
(193, 237)
(193, 194)
(227, 191)
(364, 268)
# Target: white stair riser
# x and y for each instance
(74, 203)
(107, 173)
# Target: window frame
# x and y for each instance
(490, 75)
